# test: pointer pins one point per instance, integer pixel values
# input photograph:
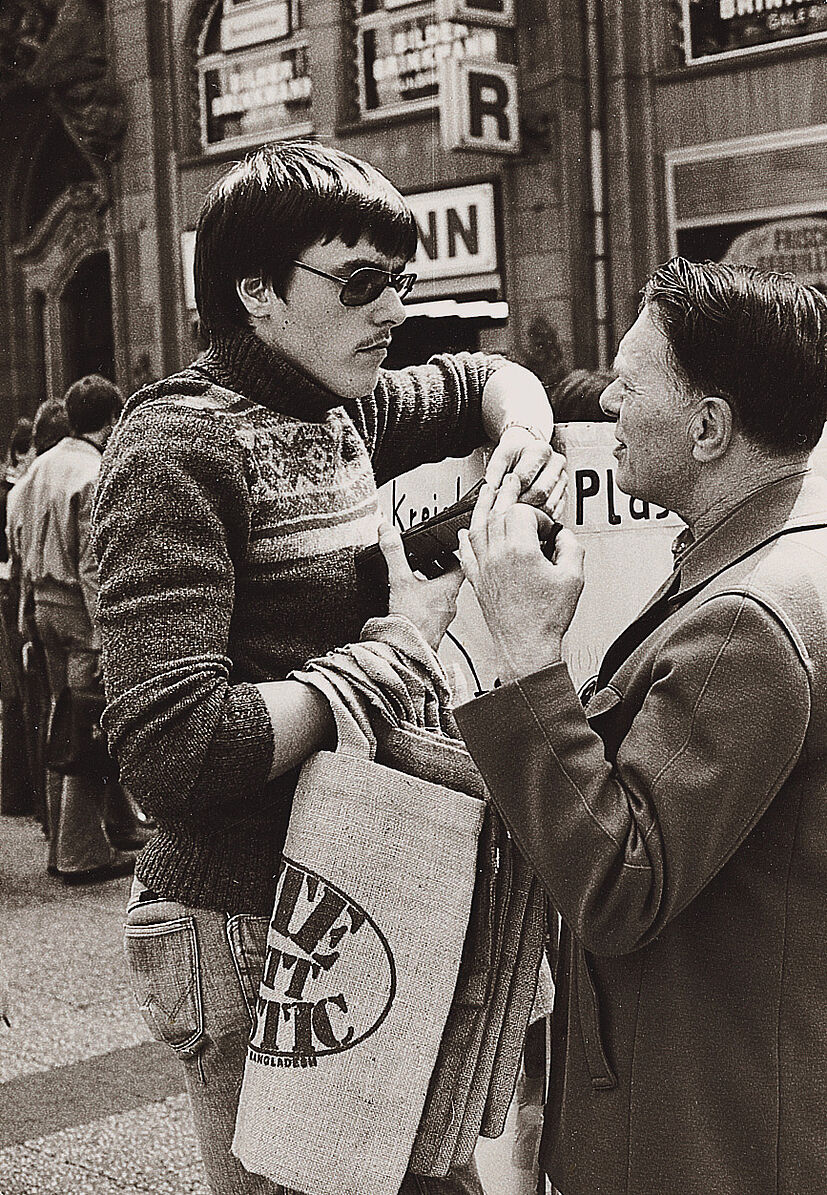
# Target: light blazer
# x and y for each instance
(680, 828)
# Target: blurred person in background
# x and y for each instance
(50, 531)
(18, 792)
(18, 458)
(49, 426)
(576, 397)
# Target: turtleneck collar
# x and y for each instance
(242, 361)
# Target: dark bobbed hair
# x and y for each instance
(20, 440)
(91, 402)
(576, 397)
(50, 425)
(267, 210)
(757, 339)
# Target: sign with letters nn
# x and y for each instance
(457, 232)
(713, 28)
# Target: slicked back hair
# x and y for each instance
(267, 210)
(757, 339)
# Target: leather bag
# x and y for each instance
(76, 744)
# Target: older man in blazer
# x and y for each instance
(679, 822)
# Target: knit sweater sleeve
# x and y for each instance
(426, 412)
(172, 515)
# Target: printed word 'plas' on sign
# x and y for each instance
(599, 503)
(329, 976)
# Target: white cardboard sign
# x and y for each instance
(628, 550)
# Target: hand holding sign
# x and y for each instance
(526, 599)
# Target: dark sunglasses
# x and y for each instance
(365, 284)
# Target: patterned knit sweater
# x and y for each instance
(232, 499)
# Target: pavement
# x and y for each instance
(89, 1104)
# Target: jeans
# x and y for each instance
(75, 805)
(195, 975)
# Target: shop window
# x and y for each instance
(400, 47)
(715, 29)
(755, 201)
(253, 72)
(789, 245)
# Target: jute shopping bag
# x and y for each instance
(372, 905)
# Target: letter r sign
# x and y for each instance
(478, 106)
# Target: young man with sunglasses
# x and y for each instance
(234, 498)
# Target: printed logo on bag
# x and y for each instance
(329, 975)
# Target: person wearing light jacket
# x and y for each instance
(50, 519)
(679, 821)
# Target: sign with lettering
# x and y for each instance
(483, 12)
(478, 106)
(257, 93)
(457, 231)
(400, 56)
(329, 977)
(628, 551)
(716, 27)
(797, 246)
(249, 22)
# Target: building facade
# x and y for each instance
(553, 150)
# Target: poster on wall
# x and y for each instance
(792, 245)
(712, 28)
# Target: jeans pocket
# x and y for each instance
(247, 936)
(163, 966)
